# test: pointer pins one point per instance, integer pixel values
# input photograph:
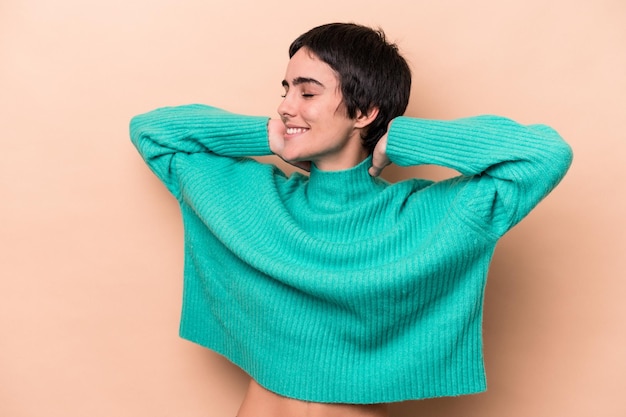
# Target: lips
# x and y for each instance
(295, 130)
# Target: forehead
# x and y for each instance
(304, 64)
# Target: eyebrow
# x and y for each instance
(303, 80)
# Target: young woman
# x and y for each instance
(336, 291)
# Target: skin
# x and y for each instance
(260, 402)
(314, 128)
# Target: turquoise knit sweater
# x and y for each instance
(340, 287)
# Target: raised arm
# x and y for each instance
(509, 167)
(166, 134)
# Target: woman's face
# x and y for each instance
(317, 126)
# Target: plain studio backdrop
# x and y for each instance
(91, 242)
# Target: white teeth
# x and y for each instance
(295, 130)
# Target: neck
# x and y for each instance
(338, 189)
(352, 156)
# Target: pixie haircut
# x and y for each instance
(371, 72)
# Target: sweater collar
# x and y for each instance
(333, 190)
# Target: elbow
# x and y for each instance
(563, 160)
(557, 161)
(561, 155)
(566, 154)
(557, 154)
(135, 129)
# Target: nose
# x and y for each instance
(286, 108)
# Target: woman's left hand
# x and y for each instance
(379, 157)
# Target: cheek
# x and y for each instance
(327, 113)
(311, 113)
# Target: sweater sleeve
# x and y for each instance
(509, 167)
(165, 135)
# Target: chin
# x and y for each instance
(295, 156)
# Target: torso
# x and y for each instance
(260, 402)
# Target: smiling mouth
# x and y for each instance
(295, 130)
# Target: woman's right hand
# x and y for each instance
(276, 134)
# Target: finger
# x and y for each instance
(375, 171)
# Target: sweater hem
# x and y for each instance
(400, 394)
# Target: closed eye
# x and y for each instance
(302, 81)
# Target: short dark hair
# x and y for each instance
(371, 71)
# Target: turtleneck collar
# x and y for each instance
(334, 190)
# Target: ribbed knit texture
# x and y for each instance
(340, 287)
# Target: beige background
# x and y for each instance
(90, 242)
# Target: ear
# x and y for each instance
(364, 119)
